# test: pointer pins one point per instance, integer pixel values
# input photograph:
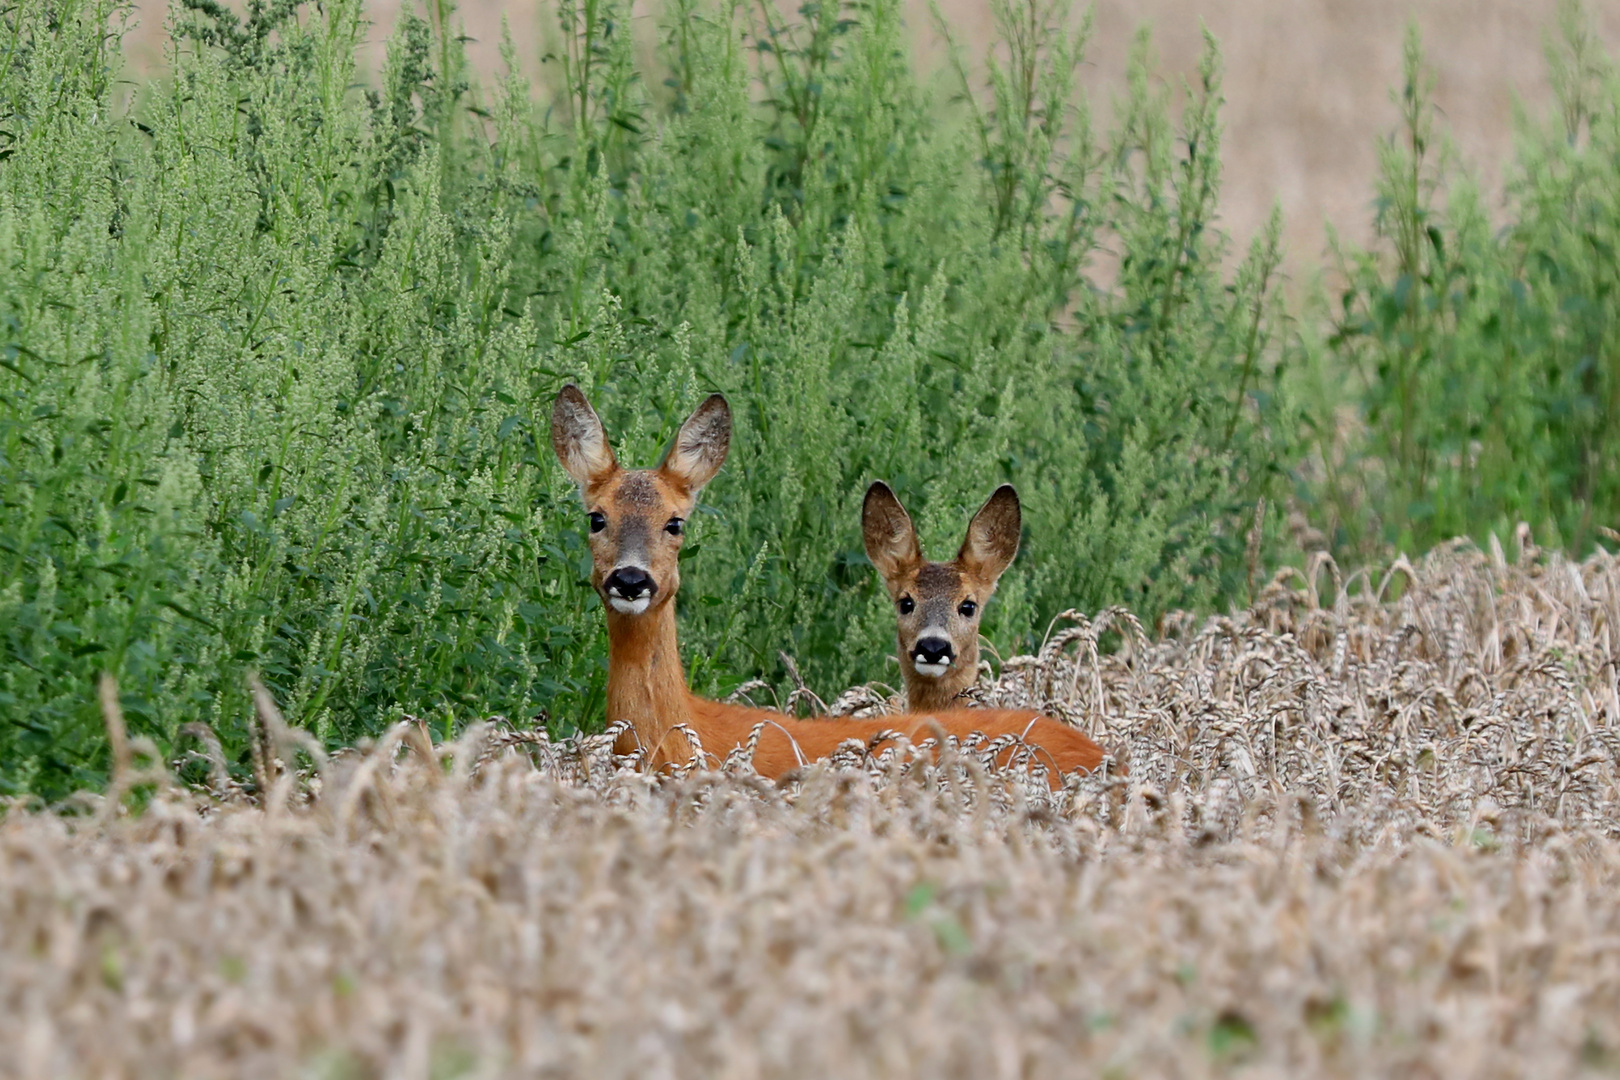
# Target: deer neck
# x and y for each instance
(931, 695)
(646, 684)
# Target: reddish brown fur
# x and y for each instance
(646, 682)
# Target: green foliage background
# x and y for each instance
(277, 353)
(1479, 345)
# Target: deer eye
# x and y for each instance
(675, 526)
(907, 605)
(598, 521)
(968, 608)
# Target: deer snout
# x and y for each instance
(932, 656)
(630, 590)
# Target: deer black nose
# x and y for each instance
(933, 650)
(631, 583)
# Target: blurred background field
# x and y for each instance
(1307, 84)
(281, 320)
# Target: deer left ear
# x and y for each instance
(579, 440)
(891, 539)
(700, 447)
(992, 535)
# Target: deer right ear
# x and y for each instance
(578, 438)
(992, 535)
(891, 539)
(701, 445)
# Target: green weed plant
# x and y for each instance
(1476, 348)
(277, 351)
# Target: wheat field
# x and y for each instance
(1371, 827)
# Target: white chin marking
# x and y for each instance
(629, 607)
(933, 671)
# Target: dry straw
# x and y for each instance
(1362, 836)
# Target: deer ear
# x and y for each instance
(578, 438)
(891, 539)
(992, 536)
(700, 447)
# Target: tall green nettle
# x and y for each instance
(275, 354)
(1485, 358)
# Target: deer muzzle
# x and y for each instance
(630, 590)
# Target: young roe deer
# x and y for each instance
(938, 605)
(637, 520)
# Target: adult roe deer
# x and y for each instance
(637, 520)
(938, 605)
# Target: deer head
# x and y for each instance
(637, 517)
(938, 605)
